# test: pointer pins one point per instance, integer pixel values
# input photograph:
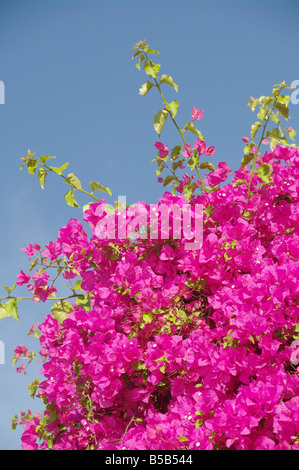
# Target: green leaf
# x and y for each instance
(77, 285)
(284, 100)
(183, 438)
(33, 387)
(159, 120)
(151, 70)
(84, 302)
(262, 114)
(45, 158)
(61, 309)
(10, 309)
(176, 152)
(189, 126)
(227, 258)
(254, 128)
(159, 170)
(292, 133)
(139, 365)
(42, 173)
(152, 51)
(277, 89)
(169, 81)
(275, 134)
(31, 165)
(30, 155)
(175, 165)
(3, 312)
(193, 161)
(246, 215)
(168, 180)
(264, 172)
(10, 289)
(246, 159)
(141, 59)
(94, 185)
(189, 190)
(284, 110)
(60, 169)
(73, 181)
(70, 198)
(172, 107)
(275, 117)
(34, 263)
(296, 331)
(145, 88)
(137, 53)
(253, 102)
(248, 148)
(147, 317)
(207, 166)
(239, 183)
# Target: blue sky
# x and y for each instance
(71, 91)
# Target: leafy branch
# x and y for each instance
(71, 180)
(142, 52)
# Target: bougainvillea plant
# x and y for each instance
(159, 346)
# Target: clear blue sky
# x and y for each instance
(71, 91)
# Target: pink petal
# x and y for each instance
(196, 114)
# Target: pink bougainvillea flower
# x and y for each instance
(69, 274)
(209, 150)
(203, 326)
(160, 180)
(163, 149)
(19, 350)
(30, 435)
(245, 139)
(31, 249)
(265, 141)
(187, 153)
(196, 114)
(200, 146)
(22, 278)
(21, 369)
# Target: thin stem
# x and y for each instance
(176, 125)
(257, 149)
(200, 178)
(49, 298)
(165, 103)
(173, 120)
(65, 178)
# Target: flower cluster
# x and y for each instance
(170, 348)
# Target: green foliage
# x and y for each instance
(61, 309)
(9, 309)
(189, 126)
(159, 120)
(169, 81)
(71, 180)
(70, 199)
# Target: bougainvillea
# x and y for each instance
(166, 347)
